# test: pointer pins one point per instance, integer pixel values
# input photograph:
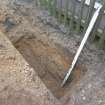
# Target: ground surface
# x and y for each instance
(29, 29)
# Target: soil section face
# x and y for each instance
(51, 62)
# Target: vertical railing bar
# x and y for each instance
(54, 7)
(72, 16)
(45, 3)
(102, 39)
(36, 3)
(50, 6)
(80, 15)
(97, 23)
(41, 2)
(60, 11)
(66, 12)
(90, 12)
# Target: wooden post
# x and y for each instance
(80, 15)
(60, 11)
(50, 6)
(97, 23)
(90, 13)
(54, 7)
(102, 40)
(72, 16)
(66, 12)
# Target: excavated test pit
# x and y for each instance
(51, 62)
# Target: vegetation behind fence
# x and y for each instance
(76, 15)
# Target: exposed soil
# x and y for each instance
(51, 62)
(38, 37)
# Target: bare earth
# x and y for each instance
(35, 55)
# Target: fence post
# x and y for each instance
(80, 15)
(36, 3)
(97, 23)
(60, 11)
(50, 6)
(72, 16)
(102, 39)
(90, 12)
(54, 7)
(66, 12)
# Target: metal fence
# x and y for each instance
(76, 15)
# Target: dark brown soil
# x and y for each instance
(51, 62)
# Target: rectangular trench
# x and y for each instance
(51, 62)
